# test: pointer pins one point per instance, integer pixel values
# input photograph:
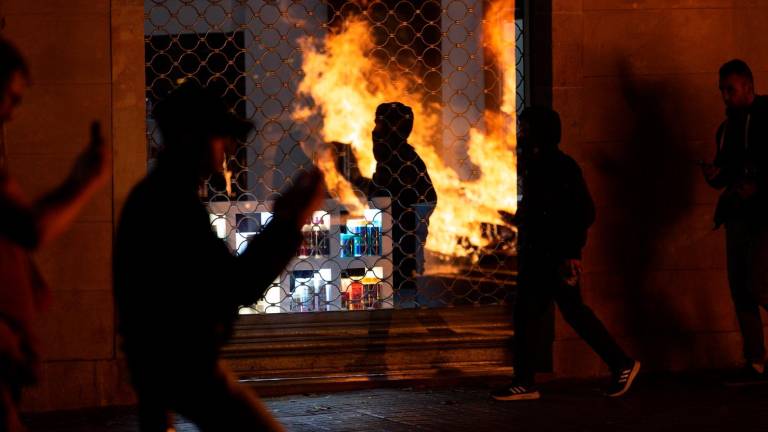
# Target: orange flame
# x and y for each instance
(347, 86)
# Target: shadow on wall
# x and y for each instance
(650, 191)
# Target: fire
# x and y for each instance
(338, 185)
(347, 86)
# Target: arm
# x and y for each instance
(714, 173)
(350, 170)
(32, 225)
(430, 195)
(269, 252)
(364, 184)
(578, 214)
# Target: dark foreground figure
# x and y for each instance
(553, 218)
(401, 175)
(740, 169)
(174, 313)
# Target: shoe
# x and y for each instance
(622, 379)
(748, 375)
(516, 392)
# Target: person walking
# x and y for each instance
(553, 218)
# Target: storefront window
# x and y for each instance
(408, 107)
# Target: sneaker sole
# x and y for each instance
(524, 396)
(746, 382)
(632, 376)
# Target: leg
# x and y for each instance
(403, 281)
(759, 270)
(583, 320)
(9, 408)
(740, 256)
(153, 417)
(216, 402)
(531, 307)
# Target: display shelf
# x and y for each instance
(326, 274)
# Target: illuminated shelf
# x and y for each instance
(317, 282)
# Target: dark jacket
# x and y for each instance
(742, 154)
(177, 286)
(556, 210)
(402, 175)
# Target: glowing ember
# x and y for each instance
(347, 85)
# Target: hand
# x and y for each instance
(746, 189)
(507, 217)
(342, 152)
(303, 198)
(570, 271)
(710, 171)
(92, 166)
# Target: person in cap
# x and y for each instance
(27, 226)
(177, 286)
(553, 218)
(402, 176)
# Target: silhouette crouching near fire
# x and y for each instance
(177, 300)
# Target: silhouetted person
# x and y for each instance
(553, 218)
(177, 286)
(26, 226)
(402, 176)
(741, 169)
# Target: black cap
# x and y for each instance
(192, 108)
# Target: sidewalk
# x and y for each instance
(661, 403)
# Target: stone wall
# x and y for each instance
(69, 46)
(636, 85)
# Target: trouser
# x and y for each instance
(15, 374)
(747, 262)
(10, 396)
(409, 239)
(538, 286)
(404, 280)
(209, 397)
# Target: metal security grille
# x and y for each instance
(407, 106)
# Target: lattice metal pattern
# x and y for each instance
(292, 67)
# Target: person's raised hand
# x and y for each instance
(303, 198)
(746, 189)
(92, 165)
(710, 171)
(570, 271)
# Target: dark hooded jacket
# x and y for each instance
(742, 154)
(556, 210)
